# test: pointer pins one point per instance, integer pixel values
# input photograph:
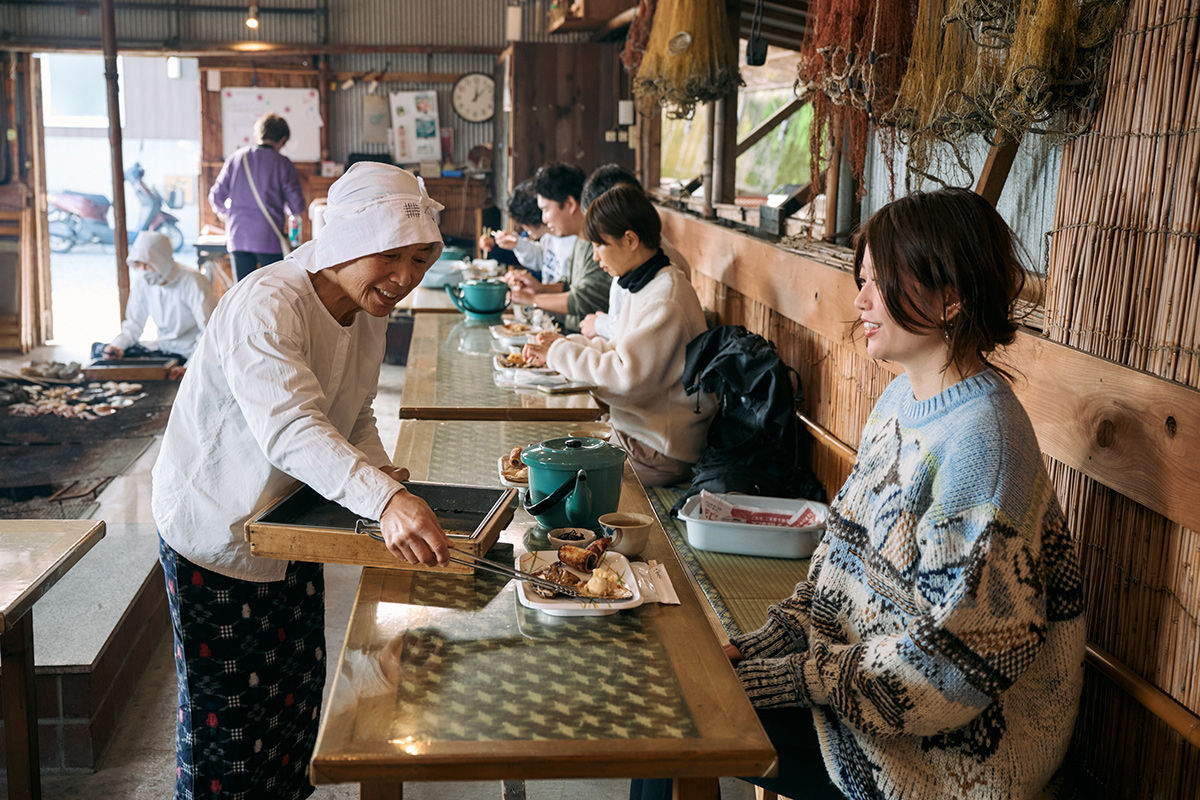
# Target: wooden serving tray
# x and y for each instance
(303, 526)
(129, 369)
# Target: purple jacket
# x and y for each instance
(278, 185)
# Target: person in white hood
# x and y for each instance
(279, 390)
(177, 297)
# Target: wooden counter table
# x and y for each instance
(34, 554)
(450, 375)
(451, 678)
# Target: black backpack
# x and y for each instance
(755, 443)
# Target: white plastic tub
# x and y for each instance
(754, 540)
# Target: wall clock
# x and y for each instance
(474, 97)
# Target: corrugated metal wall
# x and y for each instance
(461, 23)
(1027, 203)
(346, 105)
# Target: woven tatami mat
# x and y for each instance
(41, 508)
(739, 588)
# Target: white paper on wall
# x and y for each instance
(376, 120)
(241, 106)
(415, 127)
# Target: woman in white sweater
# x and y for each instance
(639, 372)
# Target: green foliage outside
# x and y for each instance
(781, 157)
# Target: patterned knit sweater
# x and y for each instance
(939, 636)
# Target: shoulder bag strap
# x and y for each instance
(283, 242)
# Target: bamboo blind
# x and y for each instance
(1123, 281)
(1122, 284)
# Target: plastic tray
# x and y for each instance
(741, 538)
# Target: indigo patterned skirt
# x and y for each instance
(250, 661)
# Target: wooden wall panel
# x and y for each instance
(563, 98)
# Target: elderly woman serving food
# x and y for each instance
(280, 389)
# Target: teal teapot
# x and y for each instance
(573, 481)
(481, 300)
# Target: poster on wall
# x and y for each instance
(376, 122)
(415, 135)
(301, 108)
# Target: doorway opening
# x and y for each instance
(160, 121)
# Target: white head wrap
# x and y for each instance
(153, 248)
(373, 208)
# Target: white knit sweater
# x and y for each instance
(639, 373)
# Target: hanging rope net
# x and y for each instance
(1002, 67)
(850, 66)
(691, 57)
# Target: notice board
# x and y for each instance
(241, 106)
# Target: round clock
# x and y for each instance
(474, 97)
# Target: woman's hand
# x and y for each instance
(113, 352)
(411, 530)
(536, 352)
(733, 653)
(486, 243)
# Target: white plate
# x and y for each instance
(500, 367)
(507, 338)
(506, 481)
(582, 606)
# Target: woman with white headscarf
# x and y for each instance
(280, 389)
(177, 297)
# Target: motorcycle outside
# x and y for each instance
(77, 218)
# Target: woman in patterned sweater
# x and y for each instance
(937, 645)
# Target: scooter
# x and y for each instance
(77, 218)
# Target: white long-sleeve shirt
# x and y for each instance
(180, 308)
(277, 391)
(639, 374)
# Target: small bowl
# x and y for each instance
(585, 537)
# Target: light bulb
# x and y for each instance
(252, 19)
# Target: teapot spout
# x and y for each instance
(579, 503)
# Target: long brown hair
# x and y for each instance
(926, 243)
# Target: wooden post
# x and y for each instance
(706, 176)
(995, 170)
(324, 78)
(108, 41)
(833, 176)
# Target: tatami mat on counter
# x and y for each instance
(739, 588)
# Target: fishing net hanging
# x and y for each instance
(850, 66)
(691, 57)
(986, 67)
(638, 36)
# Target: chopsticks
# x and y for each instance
(471, 560)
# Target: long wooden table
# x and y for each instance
(450, 678)
(450, 375)
(34, 554)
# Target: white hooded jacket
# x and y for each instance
(279, 391)
(177, 297)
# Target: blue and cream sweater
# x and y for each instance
(939, 636)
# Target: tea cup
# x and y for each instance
(629, 531)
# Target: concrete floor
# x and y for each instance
(140, 763)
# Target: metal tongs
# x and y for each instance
(372, 529)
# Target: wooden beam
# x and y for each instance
(769, 124)
(1129, 430)
(108, 30)
(995, 170)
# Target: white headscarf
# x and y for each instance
(153, 248)
(371, 209)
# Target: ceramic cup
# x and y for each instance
(629, 532)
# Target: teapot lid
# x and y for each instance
(574, 452)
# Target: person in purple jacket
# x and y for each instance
(256, 190)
